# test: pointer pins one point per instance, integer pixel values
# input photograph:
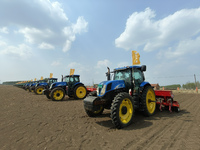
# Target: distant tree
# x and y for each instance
(171, 87)
(191, 85)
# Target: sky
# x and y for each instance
(39, 37)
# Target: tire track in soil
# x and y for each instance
(151, 137)
(183, 132)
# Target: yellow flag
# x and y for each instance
(51, 75)
(72, 71)
(35, 79)
(135, 58)
(41, 78)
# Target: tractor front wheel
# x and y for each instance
(148, 101)
(122, 110)
(80, 92)
(39, 90)
(57, 94)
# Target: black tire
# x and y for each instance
(148, 101)
(39, 90)
(80, 92)
(95, 113)
(57, 94)
(122, 110)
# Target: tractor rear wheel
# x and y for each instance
(39, 90)
(95, 113)
(148, 101)
(57, 94)
(80, 92)
(122, 110)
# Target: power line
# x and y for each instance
(179, 76)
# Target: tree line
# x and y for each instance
(188, 85)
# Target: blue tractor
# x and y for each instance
(43, 84)
(70, 86)
(26, 86)
(31, 86)
(126, 93)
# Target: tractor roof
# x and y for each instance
(127, 67)
(75, 75)
(52, 78)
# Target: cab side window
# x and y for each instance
(138, 77)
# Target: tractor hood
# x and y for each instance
(107, 86)
(57, 84)
(42, 84)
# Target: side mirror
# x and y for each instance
(143, 68)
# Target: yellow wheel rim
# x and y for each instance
(39, 90)
(58, 95)
(126, 111)
(80, 92)
(150, 101)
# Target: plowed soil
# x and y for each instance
(30, 122)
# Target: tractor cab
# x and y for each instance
(71, 79)
(125, 79)
(132, 76)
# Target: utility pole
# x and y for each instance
(195, 83)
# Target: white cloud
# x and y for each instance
(71, 31)
(80, 26)
(22, 51)
(46, 46)
(55, 63)
(41, 22)
(103, 63)
(2, 44)
(4, 30)
(173, 34)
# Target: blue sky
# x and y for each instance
(39, 37)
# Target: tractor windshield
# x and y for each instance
(122, 74)
(66, 79)
(71, 79)
(52, 81)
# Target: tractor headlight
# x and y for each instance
(103, 90)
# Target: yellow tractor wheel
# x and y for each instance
(39, 90)
(122, 110)
(80, 92)
(148, 101)
(57, 94)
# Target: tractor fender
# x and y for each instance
(143, 84)
(78, 83)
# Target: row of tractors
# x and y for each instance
(126, 93)
(70, 85)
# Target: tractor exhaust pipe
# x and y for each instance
(62, 78)
(108, 74)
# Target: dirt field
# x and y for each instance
(30, 122)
